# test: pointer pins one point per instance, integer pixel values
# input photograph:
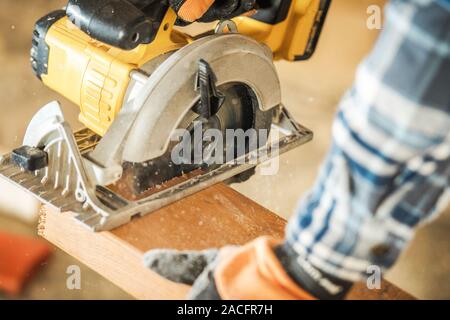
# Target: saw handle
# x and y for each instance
(119, 23)
(128, 23)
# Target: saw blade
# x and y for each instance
(237, 112)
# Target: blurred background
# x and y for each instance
(311, 91)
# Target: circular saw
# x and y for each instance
(166, 114)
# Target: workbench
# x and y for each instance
(211, 218)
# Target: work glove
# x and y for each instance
(210, 10)
(260, 270)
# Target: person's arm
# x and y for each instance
(388, 169)
(387, 172)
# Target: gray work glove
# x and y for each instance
(194, 268)
(210, 10)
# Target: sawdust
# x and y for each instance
(124, 188)
(42, 221)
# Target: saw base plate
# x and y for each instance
(102, 208)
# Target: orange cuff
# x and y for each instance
(192, 10)
(253, 272)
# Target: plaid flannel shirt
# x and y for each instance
(388, 169)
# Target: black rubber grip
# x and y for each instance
(29, 158)
(119, 23)
(227, 9)
(316, 31)
(272, 11)
(40, 50)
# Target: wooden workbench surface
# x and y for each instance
(210, 218)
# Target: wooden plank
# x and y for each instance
(388, 291)
(210, 218)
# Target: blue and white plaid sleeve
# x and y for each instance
(388, 169)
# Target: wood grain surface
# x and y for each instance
(211, 218)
